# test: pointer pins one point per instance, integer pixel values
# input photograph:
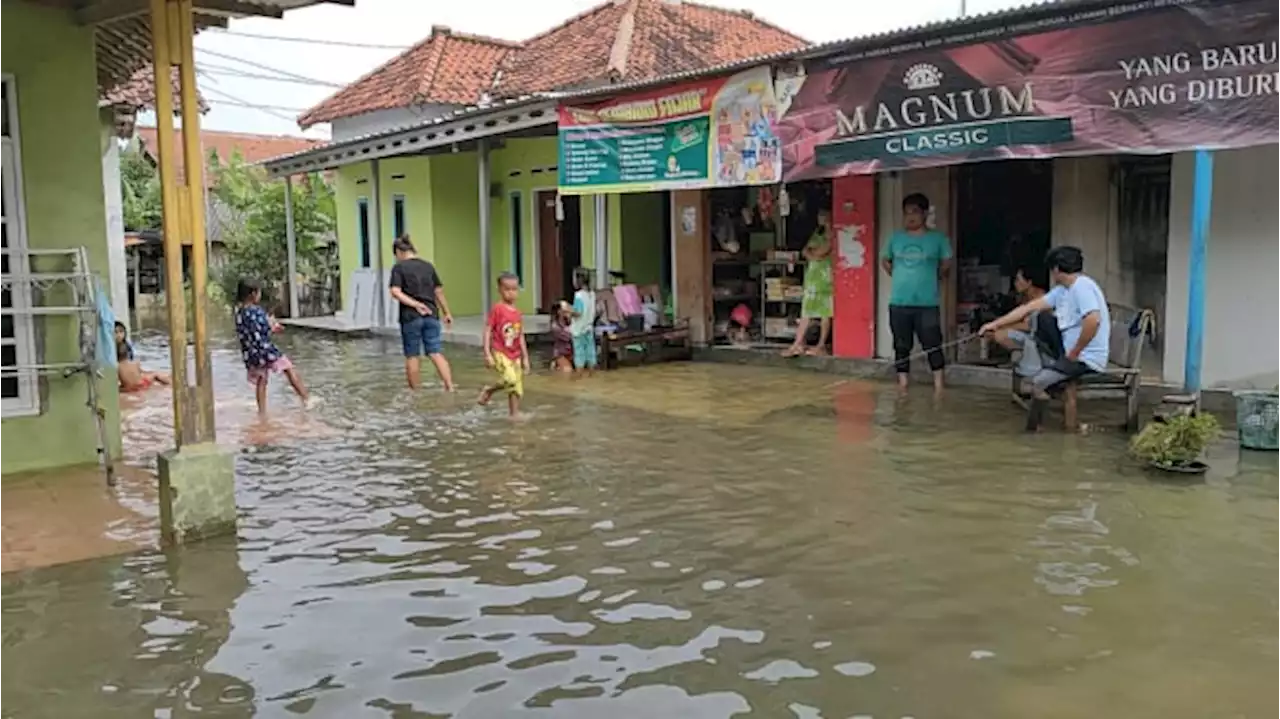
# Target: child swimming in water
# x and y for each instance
(133, 378)
(260, 354)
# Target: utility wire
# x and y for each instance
(274, 110)
(260, 66)
(230, 72)
(309, 41)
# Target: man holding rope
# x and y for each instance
(1080, 310)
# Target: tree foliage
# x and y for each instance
(255, 233)
(140, 191)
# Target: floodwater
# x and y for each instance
(687, 540)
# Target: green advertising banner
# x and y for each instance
(702, 134)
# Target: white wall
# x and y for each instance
(935, 183)
(117, 264)
(349, 128)
(1241, 337)
(1085, 215)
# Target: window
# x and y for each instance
(517, 237)
(362, 226)
(17, 342)
(397, 216)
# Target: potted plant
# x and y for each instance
(1176, 444)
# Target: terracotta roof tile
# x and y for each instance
(446, 67)
(668, 36)
(252, 148)
(616, 41)
(139, 92)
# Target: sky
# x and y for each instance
(233, 66)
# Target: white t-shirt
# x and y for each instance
(1070, 306)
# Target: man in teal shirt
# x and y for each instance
(915, 258)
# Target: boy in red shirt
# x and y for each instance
(505, 350)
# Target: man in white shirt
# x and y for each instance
(1080, 310)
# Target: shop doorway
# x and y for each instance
(559, 248)
(1003, 222)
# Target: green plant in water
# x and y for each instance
(1176, 441)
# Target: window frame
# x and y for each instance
(399, 215)
(515, 233)
(26, 403)
(364, 233)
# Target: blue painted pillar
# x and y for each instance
(1201, 209)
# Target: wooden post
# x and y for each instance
(193, 175)
(162, 57)
(1071, 406)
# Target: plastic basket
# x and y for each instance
(1256, 419)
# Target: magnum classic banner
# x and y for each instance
(1142, 77)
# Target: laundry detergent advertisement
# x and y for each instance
(717, 132)
(1143, 77)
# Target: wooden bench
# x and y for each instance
(1123, 377)
(657, 344)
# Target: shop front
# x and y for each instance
(1081, 133)
(695, 169)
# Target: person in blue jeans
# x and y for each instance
(416, 285)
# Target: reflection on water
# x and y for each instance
(677, 541)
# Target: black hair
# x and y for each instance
(1066, 259)
(917, 200)
(508, 276)
(402, 244)
(120, 326)
(245, 289)
(581, 278)
(1035, 274)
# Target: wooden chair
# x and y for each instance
(661, 343)
(1130, 330)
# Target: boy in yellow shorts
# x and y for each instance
(505, 350)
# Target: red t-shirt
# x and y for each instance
(505, 328)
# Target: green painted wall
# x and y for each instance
(521, 166)
(645, 231)
(442, 205)
(455, 202)
(351, 184)
(52, 63)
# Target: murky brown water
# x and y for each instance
(677, 541)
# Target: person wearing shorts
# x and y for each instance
(583, 326)
(261, 356)
(1027, 336)
(505, 350)
(1080, 310)
(915, 258)
(416, 285)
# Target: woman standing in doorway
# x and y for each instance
(818, 290)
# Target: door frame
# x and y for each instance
(24, 337)
(534, 209)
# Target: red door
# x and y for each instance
(853, 215)
(551, 260)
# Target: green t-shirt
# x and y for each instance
(915, 266)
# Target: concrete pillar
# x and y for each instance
(291, 242)
(197, 493)
(117, 262)
(600, 238)
(375, 229)
(486, 241)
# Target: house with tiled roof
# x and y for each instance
(434, 196)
